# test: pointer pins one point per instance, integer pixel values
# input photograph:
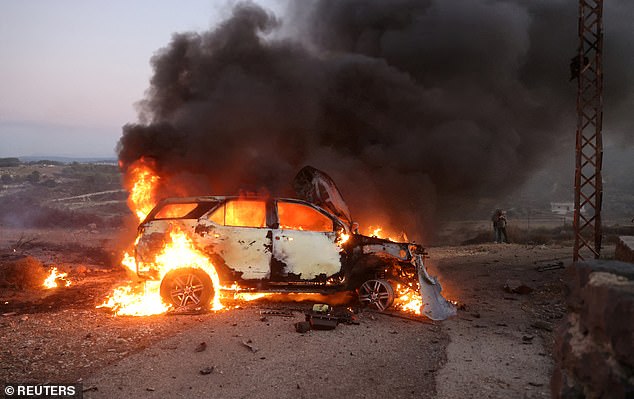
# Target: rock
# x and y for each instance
(92, 226)
(517, 287)
(201, 347)
(542, 325)
(207, 370)
(249, 344)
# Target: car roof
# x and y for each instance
(219, 198)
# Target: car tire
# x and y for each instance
(187, 287)
(377, 294)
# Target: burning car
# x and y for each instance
(263, 244)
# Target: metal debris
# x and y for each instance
(302, 327)
(435, 306)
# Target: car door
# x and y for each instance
(237, 232)
(304, 245)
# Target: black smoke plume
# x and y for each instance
(409, 105)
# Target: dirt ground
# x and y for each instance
(498, 346)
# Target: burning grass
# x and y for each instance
(56, 279)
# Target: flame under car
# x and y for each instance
(271, 245)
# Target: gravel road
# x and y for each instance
(380, 357)
(497, 347)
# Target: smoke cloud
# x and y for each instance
(409, 105)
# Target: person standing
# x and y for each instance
(499, 226)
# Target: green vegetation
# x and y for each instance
(9, 162)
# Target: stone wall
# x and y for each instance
(594, 347)
(625, 249)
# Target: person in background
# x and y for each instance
(499, 226)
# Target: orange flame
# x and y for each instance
(143, 182)
(143, 187)
(179, 252)
(53, 277)
(408, 298)
(126, 301)
(379, 232)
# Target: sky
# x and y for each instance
(71, 71)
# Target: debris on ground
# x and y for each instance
(302, 327)
(517, 287)
(321, 321)
(249, 344)
(550, 266)
(324, 317)
(282, 313)
(187, 310)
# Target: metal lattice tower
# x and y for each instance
(589, 144)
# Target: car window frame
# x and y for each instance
(194, 214)
(335, 222)
(269, 221)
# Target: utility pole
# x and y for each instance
(589, 143)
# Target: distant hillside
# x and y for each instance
(68, 159)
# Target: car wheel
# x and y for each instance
(187, 287)
(377, 294)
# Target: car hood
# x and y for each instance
(313, 185)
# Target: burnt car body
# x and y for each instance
(273, 245)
